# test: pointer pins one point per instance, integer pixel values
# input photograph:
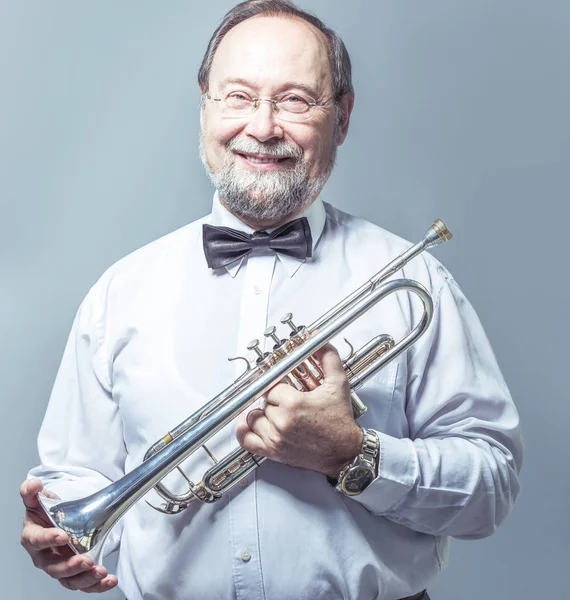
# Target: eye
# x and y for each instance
(238, 100)
(294, 103)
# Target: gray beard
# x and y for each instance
(271, 196)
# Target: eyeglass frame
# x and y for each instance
(255, 105)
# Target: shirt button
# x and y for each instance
(257, 290)
(245, 556)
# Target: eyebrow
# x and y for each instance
(284, 86)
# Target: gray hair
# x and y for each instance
(338, 54)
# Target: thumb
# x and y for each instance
(29, 491)
(330, 361)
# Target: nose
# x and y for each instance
(263, 125)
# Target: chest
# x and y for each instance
(171, 348)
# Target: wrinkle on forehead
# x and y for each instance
(267, 50)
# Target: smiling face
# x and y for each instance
(268, 170)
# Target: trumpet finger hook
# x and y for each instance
(351, 350)
(246, 362)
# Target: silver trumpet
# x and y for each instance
(87, 521)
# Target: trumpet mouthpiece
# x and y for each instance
(437, 234)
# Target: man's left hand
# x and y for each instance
(315, 430)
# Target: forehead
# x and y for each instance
(269, 51)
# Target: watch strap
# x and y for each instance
(370, 447)
(367, 457)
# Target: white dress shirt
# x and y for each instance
(149, 346)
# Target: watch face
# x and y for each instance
(357, 479)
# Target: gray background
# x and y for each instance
(462, 112)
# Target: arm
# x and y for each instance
(80, 445)
(455, 470)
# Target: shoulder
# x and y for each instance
(149, 264)
(356, 229)
(376, 247)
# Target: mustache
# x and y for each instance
(279, 148)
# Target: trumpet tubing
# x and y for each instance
(87, 521)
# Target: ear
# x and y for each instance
(345, 107)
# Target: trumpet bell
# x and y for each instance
(85, 521)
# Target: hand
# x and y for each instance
(314, 430)
(47, 545)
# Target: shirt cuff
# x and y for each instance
(398, 471)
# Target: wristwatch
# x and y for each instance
(361, 472)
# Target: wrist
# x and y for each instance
(352, 448)
(357, 475)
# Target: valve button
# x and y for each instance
(288, 320)
(270, 332)
(254, 345)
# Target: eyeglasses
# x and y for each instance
(289, 107)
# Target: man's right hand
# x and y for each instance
(47, 545)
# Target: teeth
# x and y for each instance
(255, 159)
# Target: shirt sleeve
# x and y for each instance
(80, 443)
(457, 472)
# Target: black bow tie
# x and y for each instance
(223, 245)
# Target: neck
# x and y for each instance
(258, 224)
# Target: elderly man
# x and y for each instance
(440, 439)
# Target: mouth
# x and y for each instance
(262, 161)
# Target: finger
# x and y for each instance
(39, 518)
(277, 420)
(242, 427)
(281, 394)
(35, 513)
(245, 420)
(102, 586)
(247, 438)
(331, 362)
(29, 491)
(44, 559)
(37, 537)
(271, 426)
(253, 416)
(58, 567)
(251, 442)
(85, 580)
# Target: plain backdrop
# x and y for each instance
(462, 112)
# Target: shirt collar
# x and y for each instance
(315, 214)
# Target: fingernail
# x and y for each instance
(59, 539)
(85, 565)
